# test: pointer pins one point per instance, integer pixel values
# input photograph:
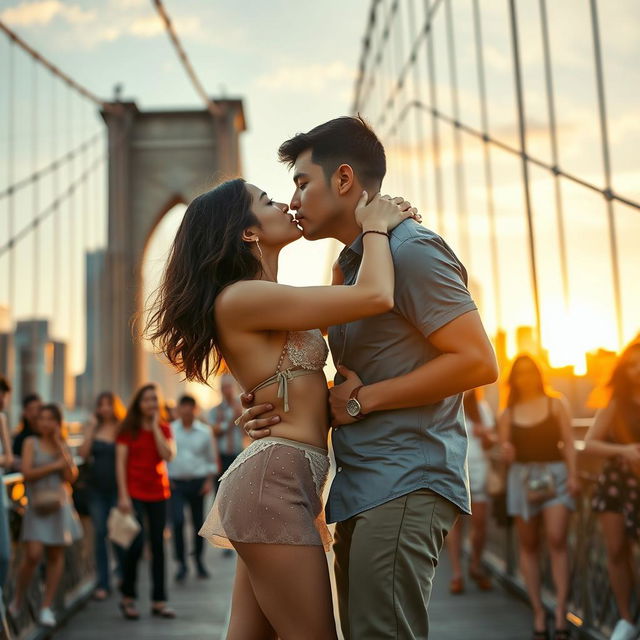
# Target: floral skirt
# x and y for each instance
(618, 490)
(271, 494)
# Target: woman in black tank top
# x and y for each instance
(615, 436)
(535, 431)
(98, 450)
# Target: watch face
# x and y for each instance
(353, 407)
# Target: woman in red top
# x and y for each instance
(144, 445)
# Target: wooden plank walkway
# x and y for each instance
(203, 605)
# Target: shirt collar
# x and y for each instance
(354, 250)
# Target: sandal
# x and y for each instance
(540, 635)
(163, 611)
(456, 586)
(481, 579)
(129, 610)
(561, 634)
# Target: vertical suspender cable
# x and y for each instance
(488, 172)
(606, 161)
(525, 167)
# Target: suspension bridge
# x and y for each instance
(474, 105)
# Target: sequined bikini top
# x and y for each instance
(307, 352)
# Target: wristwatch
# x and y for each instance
(354, 408)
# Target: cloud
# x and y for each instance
(42, 12)
(314, 78)
(114, 19)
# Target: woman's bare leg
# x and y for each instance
(247, 620)
(618, 561)
(529, 544)
(55, 568)
(556, 524)
(291, 585)
(32, 555)
(478, 534)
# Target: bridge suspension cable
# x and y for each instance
(384, 93)
(56, 71)
(213, 108)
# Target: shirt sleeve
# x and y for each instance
(430, 284)
(213, 457)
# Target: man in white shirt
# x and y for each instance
(229, 435)
(192, 473)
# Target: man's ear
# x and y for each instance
(344, 178)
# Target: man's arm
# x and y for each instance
(466, 361)
(432, 296)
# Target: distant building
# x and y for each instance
(526, 340)
(33, 358)
(62, 388)
(92, 380)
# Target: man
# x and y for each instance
(31, 404)
(6, 462)
(398, 429)
(229, 435)
(191, 474)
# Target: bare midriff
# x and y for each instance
(308, 417)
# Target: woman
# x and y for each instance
(50, 522)
(99, 450)
(220, 299)
(6, 463)
(535, 432)
(615, 435)
(481, 429)
(143, 446)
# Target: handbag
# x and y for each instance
(540, 486)
(47, 501)
(122, 527)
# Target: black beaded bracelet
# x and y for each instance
(382, 233)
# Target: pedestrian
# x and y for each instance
(143, 446)
(31, 404)
(191, 473)
(229, 436)
(50, 522)
(615, 435)
(6, 463)
(99, 452)
(482, 436)
(535, 433)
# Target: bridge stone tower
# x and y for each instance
(156, 160)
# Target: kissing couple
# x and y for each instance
(407, 340)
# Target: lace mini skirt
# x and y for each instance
(271, 494)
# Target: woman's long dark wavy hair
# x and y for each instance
(514, 393)
(622, 392)
(132, 422)
(119, 410)
(208, 254)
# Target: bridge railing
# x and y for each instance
(592, 606)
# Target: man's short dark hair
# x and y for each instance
(29, 398)
(187, 399)
(345, 140)
(5, 387)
